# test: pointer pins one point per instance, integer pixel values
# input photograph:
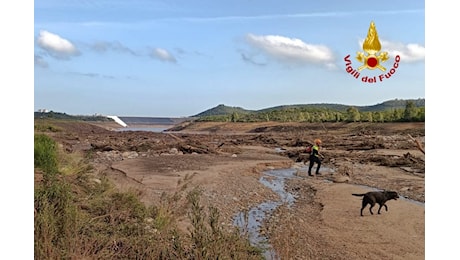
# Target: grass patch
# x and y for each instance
(45, 154)
(46, 127)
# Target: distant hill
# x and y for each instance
(64, 116)
(387, 105)
(223, 110)
(392, 104)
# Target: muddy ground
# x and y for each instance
(227, 160)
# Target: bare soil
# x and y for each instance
(226, 160)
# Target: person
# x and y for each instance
(315, 157)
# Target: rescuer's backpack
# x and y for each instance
(309, 149)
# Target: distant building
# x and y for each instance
(43, 110)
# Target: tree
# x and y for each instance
(368, 117)
(234, 117)
(410, 113)
(380, 117)
(353, 114)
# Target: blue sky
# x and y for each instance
(179, 58)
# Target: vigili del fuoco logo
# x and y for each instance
(372, 58)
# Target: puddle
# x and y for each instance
(251, 222)
(275, 180)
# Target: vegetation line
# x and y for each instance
(410, 112)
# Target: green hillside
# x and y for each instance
(387, 105)
(397, 110)
(223, 110)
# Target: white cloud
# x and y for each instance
(291, 50)
(162, 55)
(56, 46)
(411, 52)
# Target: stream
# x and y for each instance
(250, 222)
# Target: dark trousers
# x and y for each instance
(313, 160)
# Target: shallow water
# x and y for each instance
(250, 222)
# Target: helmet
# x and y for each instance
(318, 141)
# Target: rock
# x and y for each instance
(130, 155)
(96, 180)
(341, 179)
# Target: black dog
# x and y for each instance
(379, 197)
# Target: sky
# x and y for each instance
(178, 58)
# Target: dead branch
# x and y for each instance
(419, 146)
(175, 137)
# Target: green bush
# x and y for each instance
(45, 154)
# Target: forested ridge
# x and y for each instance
(390, 111)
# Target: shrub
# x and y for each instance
(45, 154)
(55, 220)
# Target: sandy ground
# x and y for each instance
(227, 161)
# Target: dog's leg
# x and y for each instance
(383, 205)
(370, 209)
(364, 204)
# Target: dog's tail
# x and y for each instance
(359, 195)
